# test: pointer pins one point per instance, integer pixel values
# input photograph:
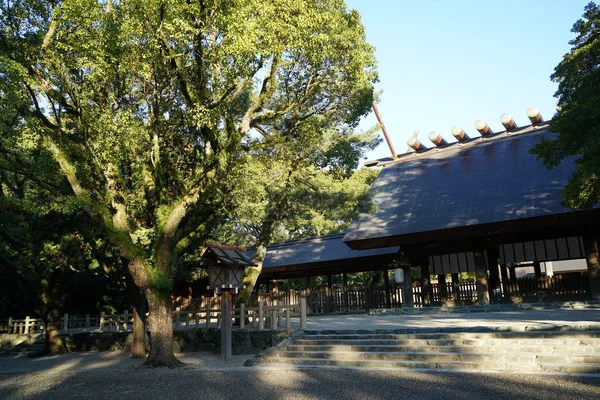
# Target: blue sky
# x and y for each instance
(452, 62)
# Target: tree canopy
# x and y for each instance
(578, 121)
(148, 108)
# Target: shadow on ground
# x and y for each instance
(115, 375)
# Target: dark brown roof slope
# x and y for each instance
(486, 181)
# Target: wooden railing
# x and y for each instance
(574, 284)
(22, 326)
(272, 316)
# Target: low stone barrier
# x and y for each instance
(243, 341)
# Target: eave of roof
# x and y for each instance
(322, 252)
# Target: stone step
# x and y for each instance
(411, 356)
(435, 357)
(459, 335)
(451, 365)
(454, 342)
(529, 349)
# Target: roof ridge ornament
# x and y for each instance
(459, 134)
(509, 123)
(534, 115)
(483, 128)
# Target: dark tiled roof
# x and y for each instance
(488, 180)
(316, 250)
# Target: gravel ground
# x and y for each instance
(206, 376)
(115, 375)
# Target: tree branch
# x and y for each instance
(269, 86)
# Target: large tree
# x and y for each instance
(148, 109)
(301, 188)
(578, 121)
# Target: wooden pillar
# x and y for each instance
(308, 283)
(537, 269)
(590, 244)
(329, 294)
(442, 287)
(386, 279)
(492, 262)
(504, 273)
(303, 312)
(455, 286)
(345, 291)
(407, 289)
(226, 325)
(483, 296)
(426, 289)
(512, 271)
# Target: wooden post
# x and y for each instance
(288, 319)
(504, 274)
(407, 289)
(590, 245)
(87, 320)
(101, 321)
(242, 316)
(27, 325)
(537, 269)
(388, 298)
(426, 288)
(125, 320)
(442, 287)
(10, 325)
(208, 314)
(274, 319)
(492, 257)
(261, 316)
(177, 320)
(187, 321)
(66, 322)
(226, 325)
(345, 290)
(455, 286)
(512, 271)
(483, 296)
(302, 312)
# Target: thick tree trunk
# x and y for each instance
(160, 319)
(160, 323)
(138, 345)
(53, 343)
(140, 307)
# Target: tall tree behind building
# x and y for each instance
(578, 121)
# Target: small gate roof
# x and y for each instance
(227, 255)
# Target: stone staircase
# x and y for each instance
(560, 351)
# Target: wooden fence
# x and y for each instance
(336, 300)
(283, 305)
(208, 314)
(272, 316)
(564, 285)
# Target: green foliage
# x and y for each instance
(148, 112)
(578, 122)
